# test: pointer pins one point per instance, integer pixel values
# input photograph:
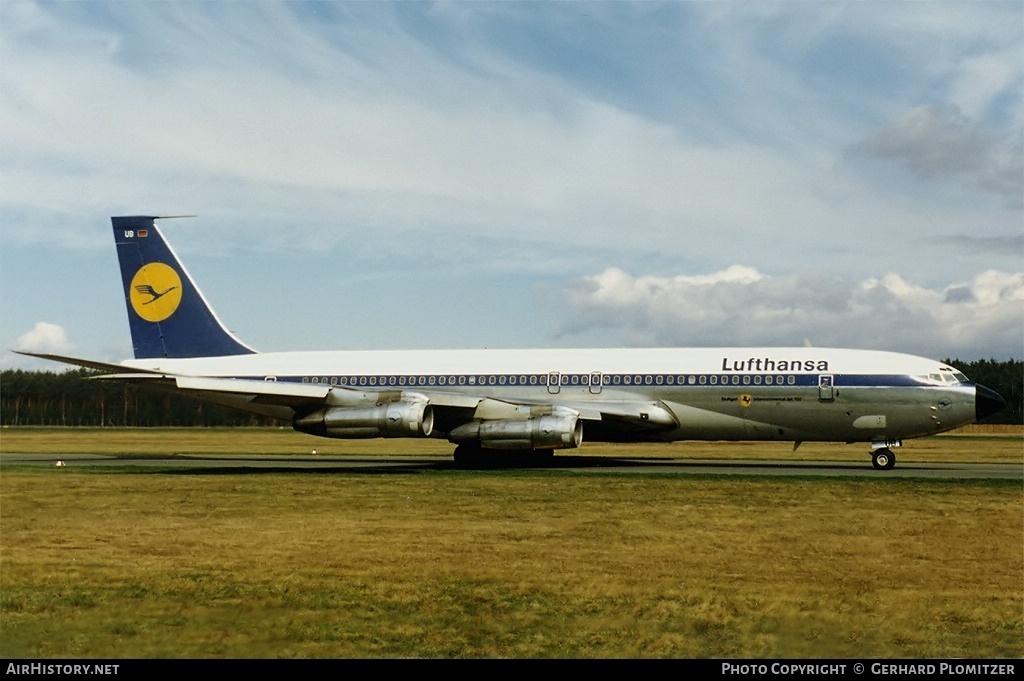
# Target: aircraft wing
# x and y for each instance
(645, 415)
(280, 399)
(286, 399)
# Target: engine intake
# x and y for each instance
(554, 431)
(392, 419)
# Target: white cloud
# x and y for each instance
(741, 306)
(45, 337)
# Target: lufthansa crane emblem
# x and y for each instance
(155, 292)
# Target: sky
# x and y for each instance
(521, 174)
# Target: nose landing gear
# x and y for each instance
(883, 459)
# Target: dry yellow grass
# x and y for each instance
(109, 563)
(992, 444)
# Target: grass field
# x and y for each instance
(993, 444)
(125, 563)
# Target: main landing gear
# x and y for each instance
(474, 456)
(883, 459)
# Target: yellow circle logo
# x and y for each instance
(155, 292)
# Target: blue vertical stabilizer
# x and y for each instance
(167, 314)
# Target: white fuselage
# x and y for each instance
(797, 393)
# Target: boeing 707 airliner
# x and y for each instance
(529, 402)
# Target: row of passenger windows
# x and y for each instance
(557, 379)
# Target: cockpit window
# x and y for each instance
(951, 375)
(947, 376)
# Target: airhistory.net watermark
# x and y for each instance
(57, 669)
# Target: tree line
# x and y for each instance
(69, 398)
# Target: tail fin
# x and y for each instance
(167, 314)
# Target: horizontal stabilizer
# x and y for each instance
(85, 363)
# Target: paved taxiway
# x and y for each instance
(576, 464)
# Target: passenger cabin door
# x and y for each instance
(826, 388)
(554, 382)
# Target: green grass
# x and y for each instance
(454, 564)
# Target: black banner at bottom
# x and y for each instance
(869, 668)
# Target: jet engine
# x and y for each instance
(391, 419)
(552, 431)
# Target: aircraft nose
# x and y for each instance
(986, 402)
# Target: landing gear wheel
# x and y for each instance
(883, 459)
(475, 457)
(468, 456)
(535, 457)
